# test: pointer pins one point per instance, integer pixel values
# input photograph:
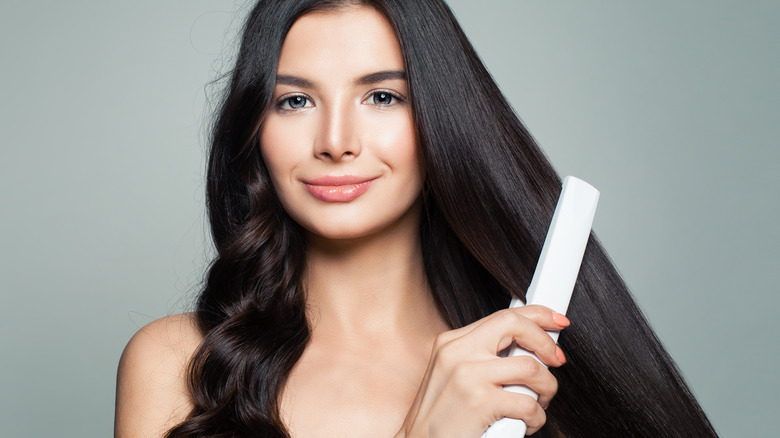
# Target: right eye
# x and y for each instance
(293, 103)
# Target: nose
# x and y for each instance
(338, 139)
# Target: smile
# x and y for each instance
(338, 188)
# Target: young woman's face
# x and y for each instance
(339, 140)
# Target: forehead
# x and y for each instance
(353, 40)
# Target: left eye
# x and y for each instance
(382, 98)
(296, 102)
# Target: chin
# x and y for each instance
(364, 225)
(342, 231)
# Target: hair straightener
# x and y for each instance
(555, 275)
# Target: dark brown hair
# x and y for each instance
(488, 198)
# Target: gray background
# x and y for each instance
(669, 108)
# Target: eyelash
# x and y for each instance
(283, 103)
(393, 95)
(280, 104)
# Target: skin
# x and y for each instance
(382, 361)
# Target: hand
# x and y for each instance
(461, 393)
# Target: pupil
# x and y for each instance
(297, 102)
(382, 98)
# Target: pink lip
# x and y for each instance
(337, 188)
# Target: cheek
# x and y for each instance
(279, 150)
(396, 143)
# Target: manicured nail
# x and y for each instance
(561, 320)
(559, 354)
(545, 405)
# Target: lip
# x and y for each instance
(343, 188)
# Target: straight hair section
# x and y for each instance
(488, 199)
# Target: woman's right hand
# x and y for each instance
(461, 393)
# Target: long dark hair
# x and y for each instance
(488, 198)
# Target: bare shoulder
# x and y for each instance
(151, 395)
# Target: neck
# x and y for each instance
(371, 286)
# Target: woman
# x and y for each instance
(374, 203)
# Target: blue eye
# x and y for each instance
(296, 102)
(383, 98)
(293, 103)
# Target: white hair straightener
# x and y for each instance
(555, 274)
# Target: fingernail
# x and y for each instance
(545, 406)
(559, 354)
(561, 320)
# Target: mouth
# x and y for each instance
(338, 188)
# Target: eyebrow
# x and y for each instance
(295, 81)
(368, 79)
(380, 76)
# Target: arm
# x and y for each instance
(151, 394)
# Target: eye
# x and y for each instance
(294, 103)
(384, 98)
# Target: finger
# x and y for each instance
(451, 335)
(545, 317)
(506, 326)
(523, 370)
(520, 407)
(454, 334)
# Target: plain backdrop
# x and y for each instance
(670, 108)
